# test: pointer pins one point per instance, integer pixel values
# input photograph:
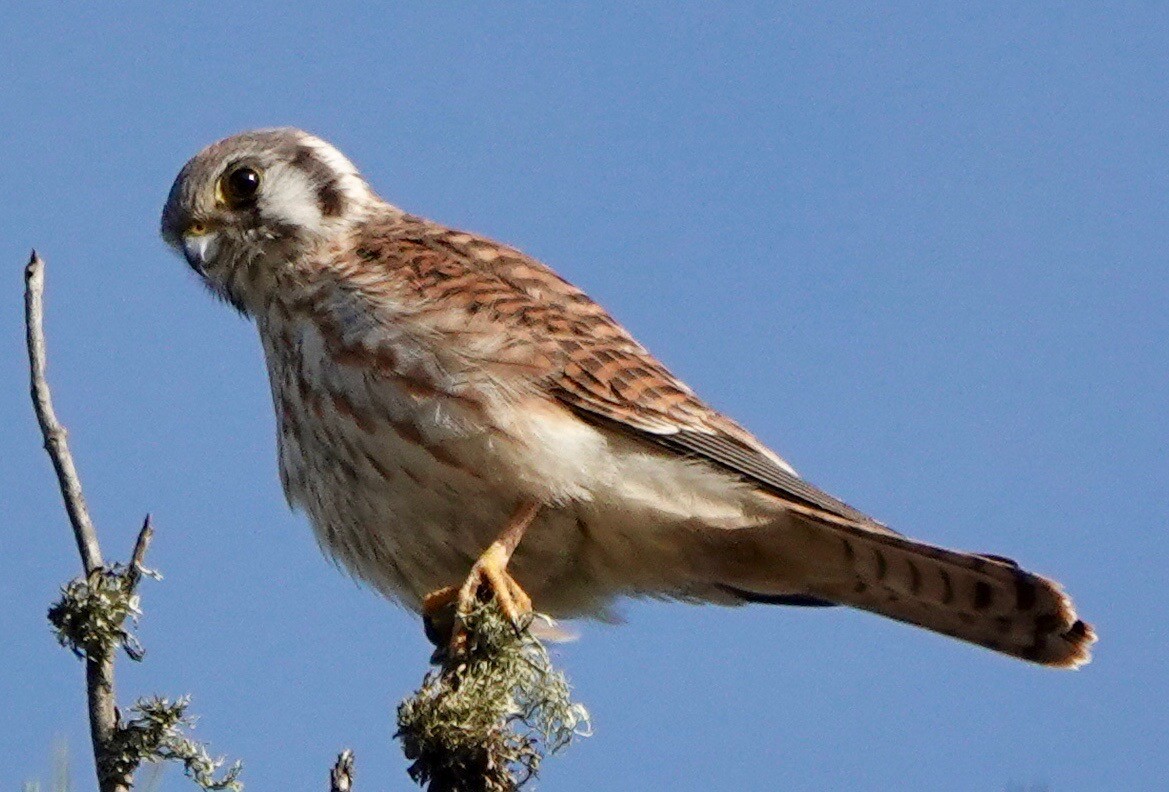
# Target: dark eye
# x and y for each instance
(239, 187)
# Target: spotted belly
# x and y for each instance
(406, 488)
(409, 513)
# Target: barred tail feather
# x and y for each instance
(986, 600)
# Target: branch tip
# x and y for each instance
(341, 777)
(52, 431)
(137, 567)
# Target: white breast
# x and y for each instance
(405, 487)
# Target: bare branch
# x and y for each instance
(99, 670)
(55, 434)
(138, 558)
(341, 779)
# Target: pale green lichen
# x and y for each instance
(91, 616)
(155, 734)
(484, 721)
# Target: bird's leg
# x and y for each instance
(489, 570)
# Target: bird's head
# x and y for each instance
(243, 209)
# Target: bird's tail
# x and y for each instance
(987, 600)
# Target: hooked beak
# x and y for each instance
(199, 248)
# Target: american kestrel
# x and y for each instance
(457, 420)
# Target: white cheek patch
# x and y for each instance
(349, 180)
(337, 162)
(290, 198)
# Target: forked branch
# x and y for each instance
(91, 616)
(99, 667)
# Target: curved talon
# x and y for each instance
(489, 571)
(446, 626)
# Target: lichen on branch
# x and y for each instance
(155, 734)
(92, 614)
(484, 720)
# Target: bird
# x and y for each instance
(461, 424)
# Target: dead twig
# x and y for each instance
(137, 566)
(341, 778)
(54, 434)
(91, 616)
(99, 669)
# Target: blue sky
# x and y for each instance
(919, 248)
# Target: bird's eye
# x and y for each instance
(239, 187)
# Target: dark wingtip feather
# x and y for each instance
(1067, 641)
(799, 600)
(1073, 646)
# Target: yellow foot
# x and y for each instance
(438, 616)
(490, 573)
(488, 578)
